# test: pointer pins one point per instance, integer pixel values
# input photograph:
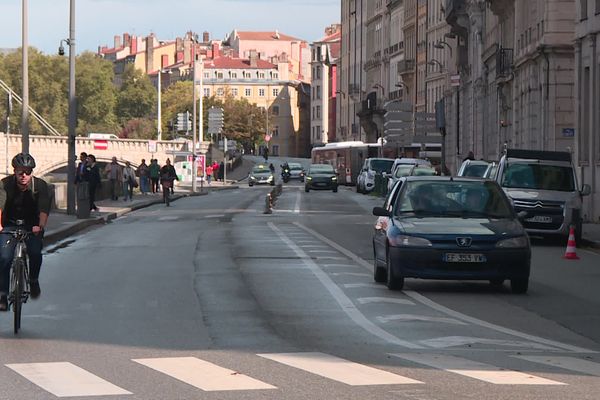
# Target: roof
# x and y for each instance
(236, 63)
(335, 37)
(272, 35)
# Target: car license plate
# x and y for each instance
(543, 219)
(464, 258)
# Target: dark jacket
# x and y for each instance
(167, 172)
(37, 196)
(92, 175)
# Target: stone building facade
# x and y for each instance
(587, 132)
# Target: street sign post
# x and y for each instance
(152, 146)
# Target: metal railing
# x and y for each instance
(35, 114)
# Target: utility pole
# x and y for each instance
(159, 106)
(8, 111)
(25, 71)
(194, 170)
(72, 115)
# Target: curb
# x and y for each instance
(590, 243)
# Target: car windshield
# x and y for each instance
(295, 166)
(403, 170)
(539, 176)
(475, 170)
(382, 165)
(476, 199)
(260, 169)
(321, 169)
(423, 171)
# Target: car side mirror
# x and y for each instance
(586, 190)
(381, 212)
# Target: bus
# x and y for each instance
(346, 158)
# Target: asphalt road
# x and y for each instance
(212, 299)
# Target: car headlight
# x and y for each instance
(270, 178)
(252, 178)
(309, 178)
(513, 243)
(334, 178)
(409, 241)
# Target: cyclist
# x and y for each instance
(167, 176)
(22, 197)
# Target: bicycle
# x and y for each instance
(167, 184)
(18, 293)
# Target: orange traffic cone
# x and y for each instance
(571, 254)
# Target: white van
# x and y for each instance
(105, 136)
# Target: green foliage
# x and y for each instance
(137, 96)
(139, 128)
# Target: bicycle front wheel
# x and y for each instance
(18, 270)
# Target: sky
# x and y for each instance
(98, 21)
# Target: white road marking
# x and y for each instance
(214, 216)
(452, 341)
(422, 318)
(168, 218)
(476, 370)
(569, 363)
(329, 258)
(64, 379)
(339, 369)
(203, 374)
(364, 285)
(315, 246)
(369, 300)
(297, 206)
(455, 314)
(340, 266)
(344, 301)
(350, 274)
(323, 251)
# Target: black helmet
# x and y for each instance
(23, 160)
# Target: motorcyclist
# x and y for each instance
(22, 197)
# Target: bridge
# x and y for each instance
(50, 152)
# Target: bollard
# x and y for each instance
(83, 200)
(268, 204)
(279, 188)
(274, 196)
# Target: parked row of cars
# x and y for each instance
(391, 170)
(475, 226)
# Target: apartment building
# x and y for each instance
(439, 54)
(324, 88)
(587, 101)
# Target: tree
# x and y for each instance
(137, 96)
(177, 98)
(139, 128)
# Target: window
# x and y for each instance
(219, 75)
(207, 75)
(597, 7)
(234, 92)
(318, 111)
(275, 75)
(275, 150)
(261, 92)
(318, 92)
(234, 75)
(247, 75)
(248, 92)
(206, 92)
(276, 131)
(275, 92)
(275, 110)
(583, 5)
(220, 92)
(261, 75)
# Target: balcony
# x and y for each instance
(504, 63)
(455, 9)
(406, 67)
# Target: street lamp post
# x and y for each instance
(441, 44)
(72, 114)
(159, 106)
(25, 71)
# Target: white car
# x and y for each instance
(365, 182)
(404, 170)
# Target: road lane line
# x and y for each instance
(421, 318)
(452, 313)
(364, 285)
(339, 369)
(361, 274)
(455, 341)
(203, 374)
(369, 300)
(476, 370)
(297, 206)
(64, 379)
(344, 301)
(569, 363)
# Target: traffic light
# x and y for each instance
(183, 121)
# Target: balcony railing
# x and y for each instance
(406, 66)
(504, 63)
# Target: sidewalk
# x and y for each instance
(591, 235)
(61, 225)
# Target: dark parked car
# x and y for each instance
(450, 228)
(321, 176)
(261, 175)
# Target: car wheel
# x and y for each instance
(379, 273)
(394, 282)
(250, 185)
(519, 286)
(306, 189)
(335, 190)
(272, 183)
(498, 282)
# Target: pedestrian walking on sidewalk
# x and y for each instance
(129, 182)
(154, 175)
(167, 176)
(114, 173)
(94, 180)
(22, 197)
(209, 173)
(221, 171)
(143, 171)
(81, 168)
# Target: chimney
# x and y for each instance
(205, 37)
(134, 45)
(126, 39)
(117, 41)
(215, 50)
(277, 34)
(253, 59)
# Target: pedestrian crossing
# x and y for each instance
(64, 379)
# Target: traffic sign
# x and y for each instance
(267, 138)
(152, 145)
(100, 144)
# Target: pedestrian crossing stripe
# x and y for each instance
(339, 369)
(64, 379)
(203, 374)
(569, 363)
(476, 370)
